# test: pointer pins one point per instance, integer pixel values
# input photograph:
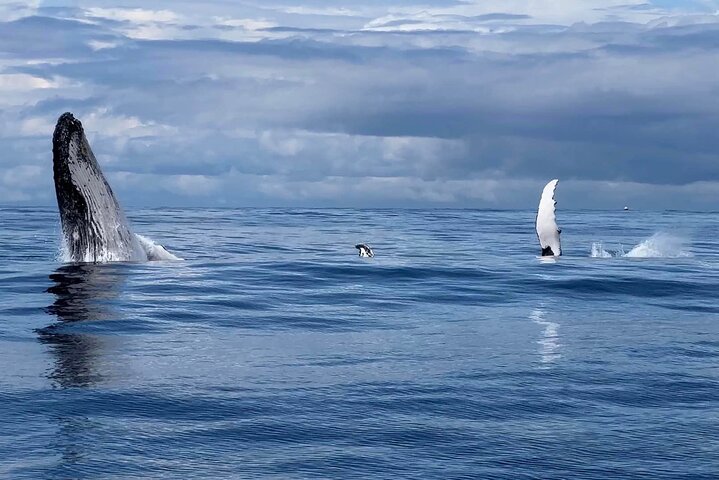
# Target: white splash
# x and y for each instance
(155, 251)
(108, 252)
(144, 250)
(599, 252)
(659, 245)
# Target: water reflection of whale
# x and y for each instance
(83, 292)
(549, 341)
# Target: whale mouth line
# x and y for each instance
(94, 226)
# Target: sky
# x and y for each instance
(368, 103)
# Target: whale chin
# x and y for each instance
(94, 227)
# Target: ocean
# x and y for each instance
(273, 351)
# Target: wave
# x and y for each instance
(659, 245)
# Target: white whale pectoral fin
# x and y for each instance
(546, 224)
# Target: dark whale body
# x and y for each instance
(94, 226)
(364, 250)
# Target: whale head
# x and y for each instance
(94, 226)
(364, 250)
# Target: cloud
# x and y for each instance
(385, 103)
(20, 183)
(22, 176)
(21, 82)
(133, 15)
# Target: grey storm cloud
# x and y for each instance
(366, 102)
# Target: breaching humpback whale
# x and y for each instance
(546, 224)
(94, 226)
(364, 250)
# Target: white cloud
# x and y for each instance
(281, 143)
(477, 111)
(103, 122)
(193, 185)
(323, 11)
(140, 23)
(36, 126)
(134, 15)
(101, 45)
(355, 155)
(420, 149)
(561, 12)
(23, 82)
(22, 176)
(371, 189)
(246, 23)
(10, 10)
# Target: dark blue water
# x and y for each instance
(273, 351)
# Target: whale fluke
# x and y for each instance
(546, 224)
(94, 227)
(364, 250)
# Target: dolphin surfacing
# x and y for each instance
(546, 223)
(94, 226)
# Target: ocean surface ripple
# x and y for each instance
(273, 351)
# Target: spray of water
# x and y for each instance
(155, 251)
(659, 245)
(599, 252)
(146, 250)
